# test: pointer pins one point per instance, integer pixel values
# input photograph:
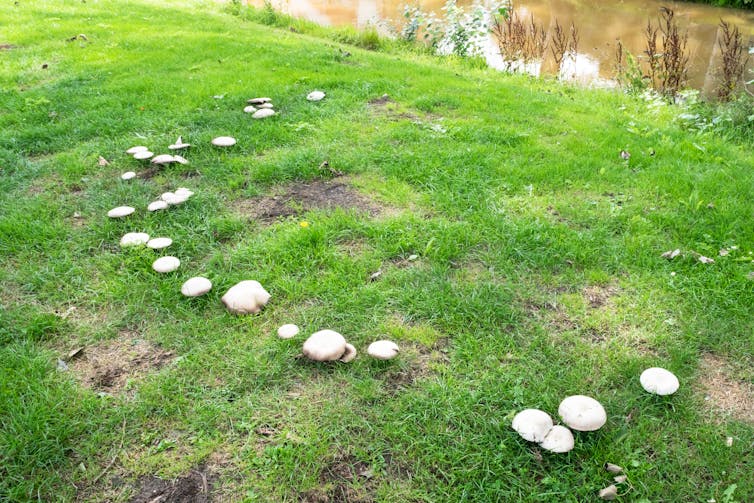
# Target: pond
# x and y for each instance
(599, 25)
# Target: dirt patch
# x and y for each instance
(337, 479)
(7, 47)
(381, 101)
(724, 393)
(302, 197)
(599, 295)
(419, 365)
(109, 365)
(196, 487)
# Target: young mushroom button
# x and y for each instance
(659, 381)
(532, 424)
(325, 346)
(246, 297)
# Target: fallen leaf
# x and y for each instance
(729, 441)
(75, 352)
(620, 479)
(705, 260)
(671, 254)
(613, 468)
(723, 252)
(62, 366)
(609, 493)
(375, 276)
(625, 155)
(102, 162)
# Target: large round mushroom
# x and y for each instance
(559, 439)
(532, 424)
(582, 413)
(325, 346)
(659, 381)
(196, 286)
(246, 297)
(383, 350)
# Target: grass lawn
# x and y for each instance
(538, 272)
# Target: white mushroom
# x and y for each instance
(183, 191)
(167, 195)
(349, 354)
(250, 109)
(134, 150)
(609, 493)
(159, 243)
(315, 96)
(258, 101)
(178, 145)
(128, 175)
(532, 424)
(174, 199)
(224, 141)
(288, 331)
(383, 350)
(180, 160)
(143, 155)
(163, 159)
(157, 205)
(325, 346)
(246, 297)
(134, 239)
(558, 439)
(582, 413)
(120, 211)
(166, 264)
(262, 113)
(659, 381)
(265, 105)
(196, 286)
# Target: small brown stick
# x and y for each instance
(112, 461)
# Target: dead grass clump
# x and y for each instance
(722, 392)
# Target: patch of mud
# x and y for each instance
(109, 365)
(337, 479)
(418, 362)
(302, 197)
(381, 101)
(724, 393)
(196, 487)
(598, 296)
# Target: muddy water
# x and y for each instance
(599, 24)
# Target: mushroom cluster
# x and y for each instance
(259, 108)
(179, 196)
(535, 425)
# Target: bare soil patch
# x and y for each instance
(381, 101)
(337, 479)
(722, 392)
(7, 47)
(599, 295)
(195, 487)
(109, 365)
(302, 197)
(419, 364)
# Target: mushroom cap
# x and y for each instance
(258, 101)
(183, 191)
(532, 424)
(159, 243)
(166, 264)
(157, 205)
(659, 381)
(383, 350)
(558, 439)
(128, 175)
(180, 159)
(139, 148)
(174, 199)
(262, 113)
(349, 354)
(134, 239)
(224, 141)
(325, 346)
(246, 297)
(142, 155)
(266, 105)
(582, 413)
(178, 145)
(120, 211)
(249, 109)
(315, 96)
(163, 159)
(196, 286)
(288, 331)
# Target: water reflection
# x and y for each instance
(599, 25)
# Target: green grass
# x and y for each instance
(510, 190)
